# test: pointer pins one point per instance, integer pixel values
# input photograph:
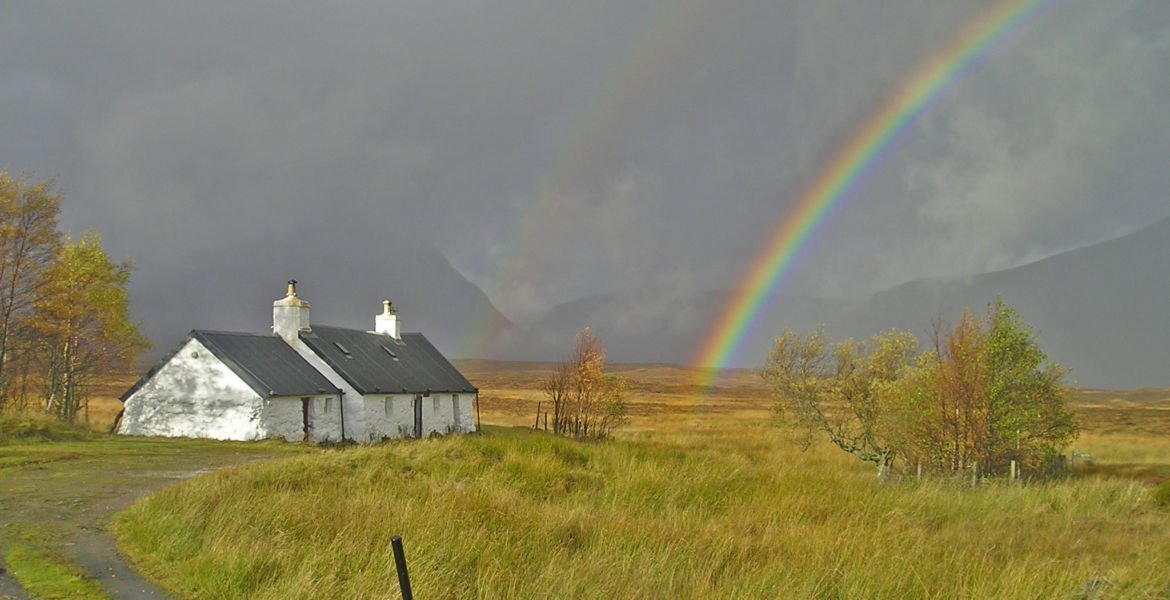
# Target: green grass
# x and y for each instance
(58, 483)
(29, 430)
(729, 513)
(48, 576)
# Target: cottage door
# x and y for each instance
(418, 416)
(306, 425)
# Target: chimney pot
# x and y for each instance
(290, 315)
(387, 322)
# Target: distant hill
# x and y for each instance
(430, 294)
(658, 327)
(1103, 310)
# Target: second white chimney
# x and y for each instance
(387, 322)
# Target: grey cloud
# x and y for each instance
(652, 146)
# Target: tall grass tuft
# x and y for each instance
(733, 513)
(33, 430)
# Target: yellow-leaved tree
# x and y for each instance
(28, 242)
(82, 325)
(586, 401)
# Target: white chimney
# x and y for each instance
(290, 315)
(387, 322)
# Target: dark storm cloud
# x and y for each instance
(228, 146)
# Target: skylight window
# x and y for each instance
(390, 352)
(343, 349)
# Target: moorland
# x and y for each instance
(703, 494)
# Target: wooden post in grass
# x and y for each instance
(400, 566)
(1015, 471)
(919, 471)
(536, 425)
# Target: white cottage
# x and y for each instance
(302, 382)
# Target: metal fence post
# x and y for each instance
(400, 565)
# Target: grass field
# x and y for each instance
(701, 496)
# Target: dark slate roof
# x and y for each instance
(375, 363)
(264, 361)
(267, 363)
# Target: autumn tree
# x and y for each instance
(586, 401)
(28, 241)
(984, 396)
(839, 389)
(83, 325)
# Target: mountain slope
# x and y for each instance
(1102, 310)
(431, 296)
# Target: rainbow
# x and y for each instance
(586, 141)
(841, 173)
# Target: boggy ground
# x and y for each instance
(59, 497)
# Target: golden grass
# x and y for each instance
(701, 496)
(737, 512)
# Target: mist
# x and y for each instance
(553, 151)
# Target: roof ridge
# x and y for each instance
(221, 332)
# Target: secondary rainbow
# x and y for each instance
(603, 115)
(845, 168)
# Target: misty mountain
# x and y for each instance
(430, 295)
(1100, 310)
(665, 327)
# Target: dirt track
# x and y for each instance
(67, 503)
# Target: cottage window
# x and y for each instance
(455, 411)
(435, 404)
(389, 406)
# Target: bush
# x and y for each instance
(32, 430)
(982, 397)
(1162, 494)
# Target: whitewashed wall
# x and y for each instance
(355, 405)
(389, 416)
(393, 416)
(448, 413)
(194, 395)
(283, 417)
(464, 419)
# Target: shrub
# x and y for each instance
(1162, 494)
(31, 430)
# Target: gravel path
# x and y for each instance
(9, 589)
(69, 502)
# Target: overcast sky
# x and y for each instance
(552, 150)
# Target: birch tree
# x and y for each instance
(840, 389)
(586, 401)
(984, 395)
(28, 241)
(83, 324)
